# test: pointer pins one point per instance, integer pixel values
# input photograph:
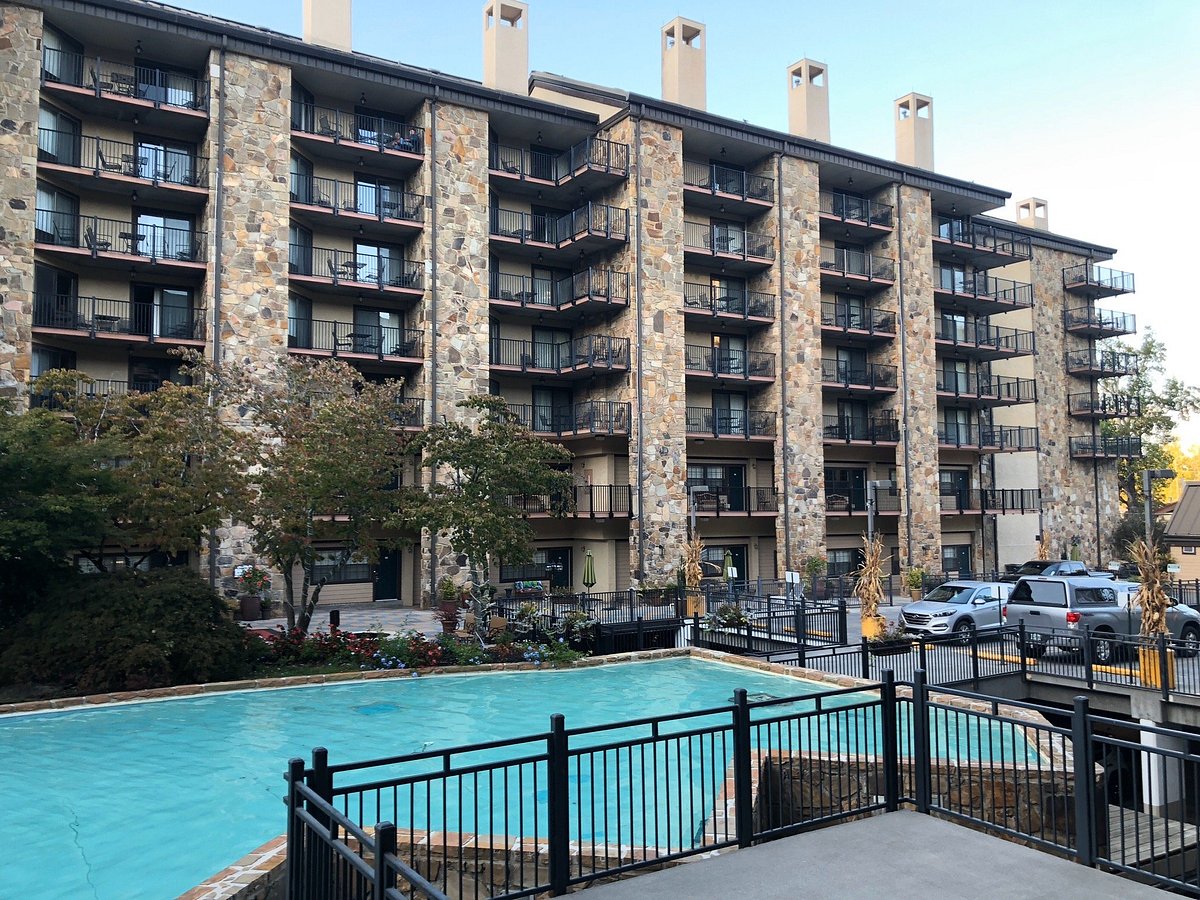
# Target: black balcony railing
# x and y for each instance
(997, 387)
(979, 333)
(1002, 437)
(122, 80)
(727, 241)
(847, 499)
(727, 363)
(597, 284)
(719, 179)
(409, 412)
(559, 166)
(1089, 318)
(1102, 362)
(858, 264)
(741, 423)
(383, 341)
(597, 219)
(151, 161)
(1001, 500)
(857, 318)
(723, 300)
(588, 500)
(849, 208)
(380, 268)
(1110, 406)
(872, 375)
(876, 429)
(726, 500)
(381, 132)
(90, 389)
(999, 290)
(593, 351)
(115, 236)
(386, 202)
(1106, 447)
(986, 237)
(587, 417)
(97, 315)
(1086, 275)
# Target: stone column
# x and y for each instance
(20, 46)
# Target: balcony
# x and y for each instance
(1095, 406)
(573, 297)
(725, 189)
(857, 324)
(980, 246)
(91, 389)
(120, 320)
(849, 501)
(354, 271)
(317, 337)
(559, 238)
(997, 390)
(583, 357)
(861, 430)
(586, 419)
(741, 424)
(738, 250)
(1005, 501)
(988, 438)
(734, 501)
(361, 207)
(728, 365)
(94, 163)
(96, 85)
(592, 501)
(856, 270)
(712, 301)
(346, 136)
(409, 414)
(979, 340)
(855, 378)
(982, 294)
(1096, 281)
(114, 243)
(1086, 447)
(865, 220)
(1087, 321)
(592, 164)
(1101, 364)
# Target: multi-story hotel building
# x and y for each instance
(753, 326)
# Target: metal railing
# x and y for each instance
(986, 237)
(100, 235)
(743, 423)
(994, 387)
(596, 219)
(97, 315)
(1016, 294)
(162, 165)
(727, 363)
(1106, 320)
(607, 285)
(849, 208)
(382, 132)
(586, 417)
(380, 268)
(724, 300)
(1003, 500)
(1086, 446)
(857, 318)
(979, 333)
(731, 501)
(876, 429)
(91, 389)
(1103, 362)
(1110, 406)
(1089, 276)
(593, 351)
(347, 337)
(125, 81)
(385, 202)
(588, 500)
(872, 375)
(409, 412)
(726, 180)
(858, 264)
(1002, 437)
(560, 166)
(854, 500)
(727, 241)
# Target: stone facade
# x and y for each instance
(20, 48)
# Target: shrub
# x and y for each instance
(320, 648)
(126, 631)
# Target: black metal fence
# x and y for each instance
(723, 362)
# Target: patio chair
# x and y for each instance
(468, 626)
(106, 164)
(94, 244)
(327, 129)
(497, 625)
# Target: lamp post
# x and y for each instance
(693, 489)
(872, 488)
(1147, 476)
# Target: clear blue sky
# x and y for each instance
(1093, 105)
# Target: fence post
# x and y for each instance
(320, 780)
(1086, 653)
(865, 655)
(743, 800)
(891, 750)
(1164, 668)
(749, 637)
(385, 846)
(842, 632)
(295, 774)
(641, 634)
(558, 802)
(801, 637)
(1081, 749)
(975, 659)
(632, 591)
(921, 653)
(695, 629)
(1021, 650)
(320, 865)
(920, 728)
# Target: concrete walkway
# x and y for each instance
(895, 855)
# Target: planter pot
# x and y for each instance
(889, 648)
(915, 593)
(695, 603)
(249, 608)
(1149, 667)
(873, 626)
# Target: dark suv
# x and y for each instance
(1068, 567)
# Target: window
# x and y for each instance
(164, 235)
(162, 311)
(164, 160)
(46, 358)
(1188, 551)
(729, 354)
(301, 180)
(352, 572)
(951, 229)
(712, 560)
(58, 137)
(149, 374)
(956, 558)
(954, 327)
(852, 365)
(300, 250)
(143, 562)
(956, 425)
(552, 410)
(844, 562)
(850, 312)
(165, 84)
(551, 348)
(382, 264)
(302, 108)
(299, 322)
(56, 297)
(725, 486)
(730, 412)
(379, 331)
(376, 197)
(845, 489)
(1103, 596)
(956, 378)
(953, 278)
(62, 57)
(1039, 593)
(728, 237)
(57, 216)
(729, 294)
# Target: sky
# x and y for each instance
(1092, 106)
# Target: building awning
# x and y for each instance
(1183, 529)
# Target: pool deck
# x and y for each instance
(895, 855)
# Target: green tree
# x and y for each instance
(480, 468)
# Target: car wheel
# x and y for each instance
(1034, 649)
(1189, 641)
(964, 631)
(1104, 649)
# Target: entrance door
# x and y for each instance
(955, 483)
(387, 576)
(957, 558)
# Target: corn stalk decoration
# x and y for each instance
(1151, 598)
(869, 584)
(693, 571)
(1043, 552)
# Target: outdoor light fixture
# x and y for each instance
(850, 180)
(539, 137)
(136, 120)
(133, 196)
(693, 489)
(137, 48)
(362, 99)
(872, 488)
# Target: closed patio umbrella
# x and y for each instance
(589, 570)
(727, 566)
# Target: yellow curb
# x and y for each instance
(1128, 671)
(1004, 657)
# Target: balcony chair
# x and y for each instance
(190, 252)
(99, 84)
(327, 129)
(93, 244)
(105, 164)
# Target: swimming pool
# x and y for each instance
(149, 799)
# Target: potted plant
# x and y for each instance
(727, 615)
(891, 640)
(914, 580)
(1154, 604)
(868, 587)
(448, 603)
(252, 582)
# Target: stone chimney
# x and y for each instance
(1032, 213)
(808, 100)
(327, 23)
(683, 62)
(506, 45)
(914, 131)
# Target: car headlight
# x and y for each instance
(943, 613)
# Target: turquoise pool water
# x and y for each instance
(149, 799)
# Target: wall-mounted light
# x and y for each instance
(137, 48)
(136, 120)
(361, 162)
(539, 137)
(133, 196)
(953, 207)
(722, 151)
(850, 180)
(362, 99)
